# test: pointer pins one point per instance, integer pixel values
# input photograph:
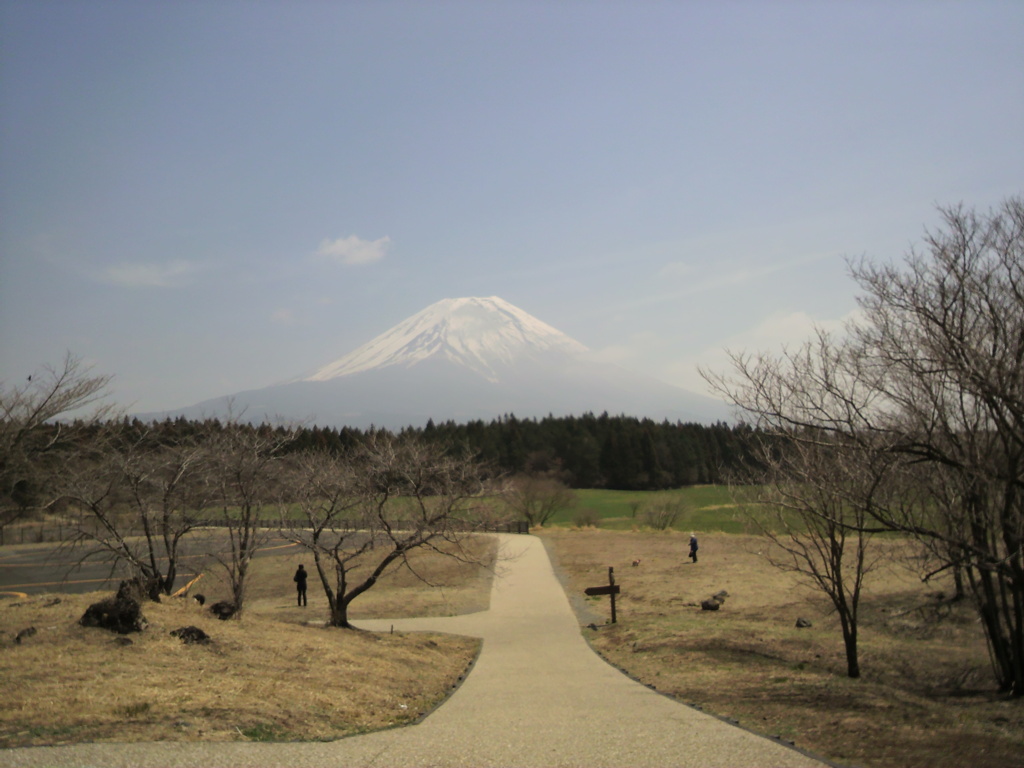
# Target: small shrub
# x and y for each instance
(587, 518)
(662, 515)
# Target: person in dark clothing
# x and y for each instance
(300, 584)
(693, 547)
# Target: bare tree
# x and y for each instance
(31, 436)
(805, 489)
(798, 500)
(328, 497)
(141, 495)
(367, 511)
(536, 498)
(926, 397)
(947, 332)
(662, 515)
(244, 467)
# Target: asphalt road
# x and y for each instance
(30, 569)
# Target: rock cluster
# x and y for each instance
(223, 610)
(23, 634)
(121, 613)
(190, 635)
(714, 602)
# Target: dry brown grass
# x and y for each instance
(925, 697)
(269, 675)
(452, 587)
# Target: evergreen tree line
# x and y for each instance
(588, 451)
(614, 452)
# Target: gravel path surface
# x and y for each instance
(537, 696)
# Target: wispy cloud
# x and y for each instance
(772, 334)
(354, 250)
(678, 280)
(169, 275)
(661, 354)
(788, 329)
(740, 274)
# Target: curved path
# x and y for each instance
(537, 696)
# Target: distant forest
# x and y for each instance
(615, 452)
(588, 451)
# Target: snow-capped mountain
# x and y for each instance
(462, 360)
(482, 335)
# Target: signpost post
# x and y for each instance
(611, 590)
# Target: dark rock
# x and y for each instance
(803, 623)
(190, 635)
(119, 614)
(223, 610)
(26, 632)
(140, 589)
(714, 602)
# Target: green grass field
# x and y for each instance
(707, 508)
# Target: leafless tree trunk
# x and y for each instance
(927, 394)
(948, 331)
(31, 438)
(367, 511)
(327, 496)
(142, 496)
(244, 464)
(806, 490)
(799, 502)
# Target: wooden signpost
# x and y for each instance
(611, 590)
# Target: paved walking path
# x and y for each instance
(537, 696)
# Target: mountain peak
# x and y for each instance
(485, 335)
(459, 360)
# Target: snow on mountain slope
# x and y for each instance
(461, 360)
(484, 335)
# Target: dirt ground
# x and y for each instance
(272, 675)
(925, 697)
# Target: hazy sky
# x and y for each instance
(204, 197)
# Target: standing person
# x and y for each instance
(693, 547)
(300, 584)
